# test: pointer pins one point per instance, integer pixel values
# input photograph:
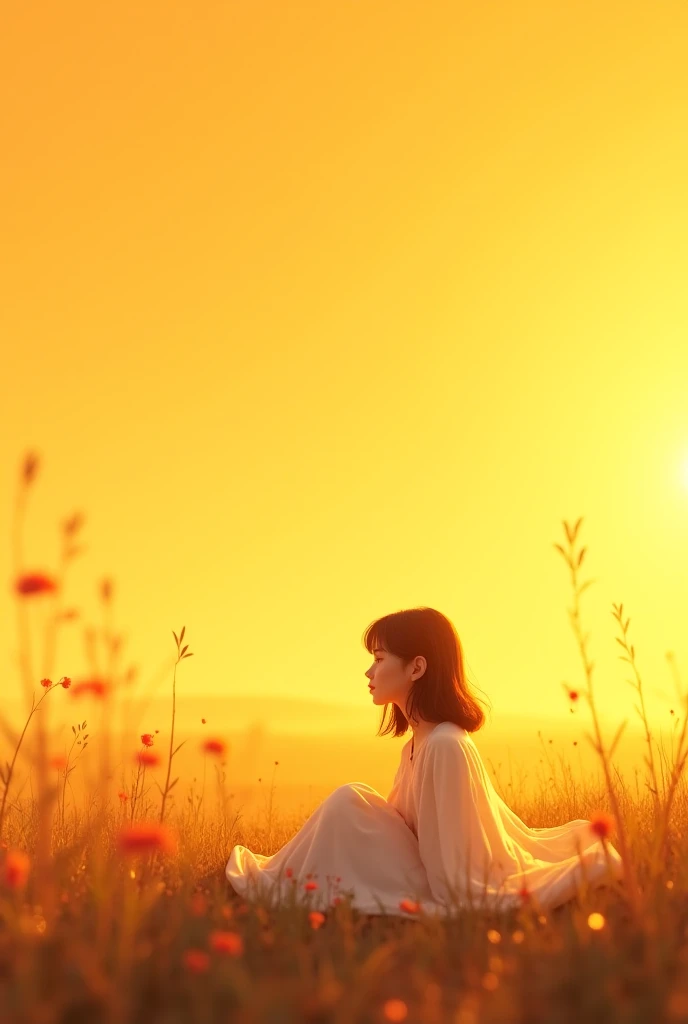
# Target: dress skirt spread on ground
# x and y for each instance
(443, 838)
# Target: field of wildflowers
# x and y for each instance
(114, 906)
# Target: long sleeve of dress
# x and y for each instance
(478, 852)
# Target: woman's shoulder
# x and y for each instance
(452, 727)
(447, 729)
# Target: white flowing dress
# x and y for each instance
(443, 839)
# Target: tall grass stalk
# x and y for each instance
(637, 899)
(181, 654)
(574, 562)
(7, 773)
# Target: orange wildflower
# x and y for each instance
(309, 886)
(196, 960)
(122, 796)
(47, 683)
(148, 758)
(146, 837)
(58, 761)
(395, 1010)
(410, 906)
(34, 583)
(147, 739)
(15, 869)
(601, 824)
(214, 746)
(95, 686)
(227, 942)
(573, 695)
(316, 919)
(65, 682)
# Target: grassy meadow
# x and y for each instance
(114, 906)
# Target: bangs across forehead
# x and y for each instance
(376, 640)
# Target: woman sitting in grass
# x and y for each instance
(443, 839)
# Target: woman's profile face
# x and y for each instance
(383, 676)
(391, 681)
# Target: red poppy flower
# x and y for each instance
(316, 918)
(147, 739)
(227, 942)
(214, 746)
(395, 1010)
(65, 682)
(34, 583)
(410, 906)
(47, 683)
(601, 824)
(197, 961)
(148, 758)
(309, 886)
(123, 797)
(146, 837)
(15, 869)
(97, 687)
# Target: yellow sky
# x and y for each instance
(320, 311)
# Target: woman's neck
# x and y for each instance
(420, 735)
(422, 731)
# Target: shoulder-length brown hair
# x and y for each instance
(442, 693)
